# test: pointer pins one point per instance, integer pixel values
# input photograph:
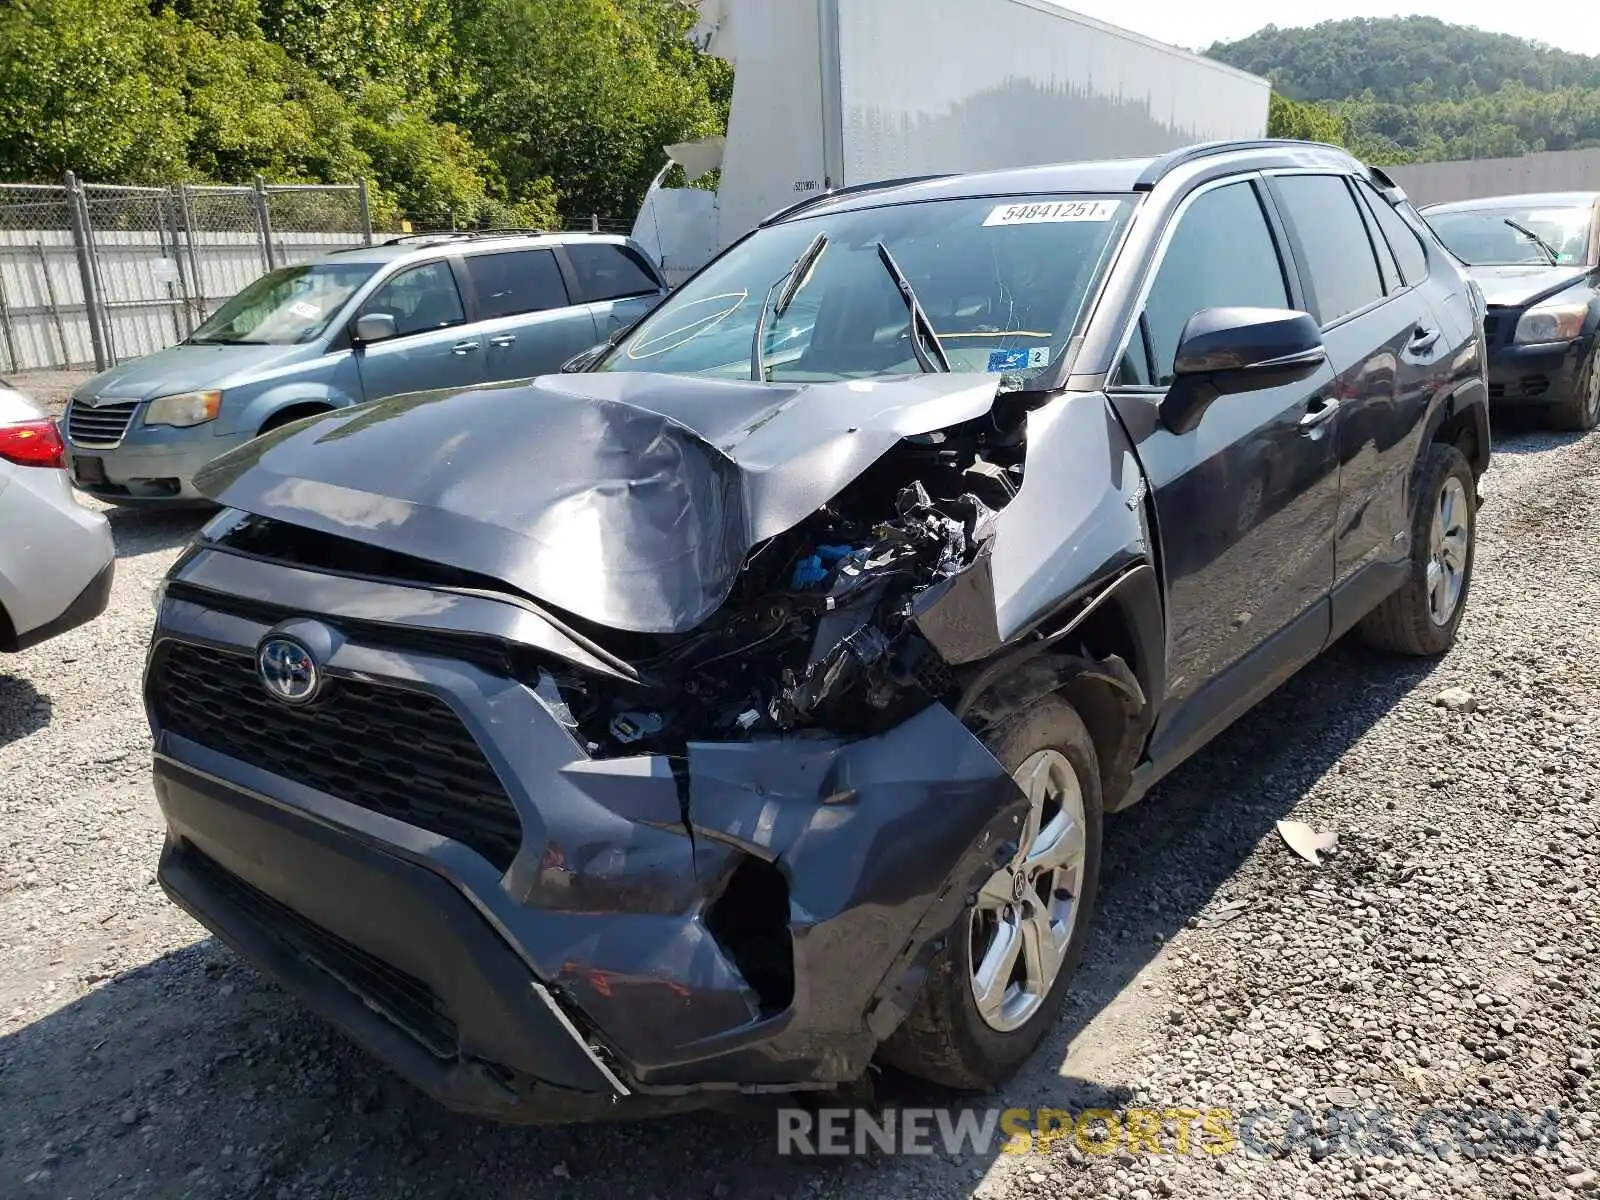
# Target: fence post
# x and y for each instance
(194, 256)
(79, 211)
(264, 220)
(55, 307)
(166, 211)
(366, 210)
(15, 364)
(594, 222)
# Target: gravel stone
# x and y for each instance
(1442, 955)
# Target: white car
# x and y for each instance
(56, 557)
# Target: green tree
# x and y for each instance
(583, 92)
(78, 92)
(1307, 122)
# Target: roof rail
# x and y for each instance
(1173, 159)
(451, 235)
(853, 189)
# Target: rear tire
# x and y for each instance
(1415, 619)
(947, 1039)
(1581, 411)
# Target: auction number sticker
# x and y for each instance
(1052, 212)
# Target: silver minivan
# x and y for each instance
(415, 313)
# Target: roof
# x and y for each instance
(1526, 199)
(1112, 175)
(419, 245)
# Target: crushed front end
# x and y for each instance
(552, 870)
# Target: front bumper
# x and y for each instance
(150, 466)
(614, 965)
(1535, 375)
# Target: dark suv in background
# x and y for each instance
(746, 705)
(1537, 259)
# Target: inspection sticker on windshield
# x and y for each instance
(1023, 359)
(1052, 212)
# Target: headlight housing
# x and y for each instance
(184, 409)
(1552, 321)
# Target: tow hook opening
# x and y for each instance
(750, 921)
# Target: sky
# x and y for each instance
(1194, 25)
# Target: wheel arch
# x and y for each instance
(1462, 421)
(294, 410)
(1105, 655)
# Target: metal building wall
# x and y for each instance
(1470, 179)
(968, 85)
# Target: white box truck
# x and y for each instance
(833, 93)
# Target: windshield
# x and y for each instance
(1001, 284)
(293, 304)
(1483, 237)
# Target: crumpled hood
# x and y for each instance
(185, 368)
(1514, 286)
(628, 499)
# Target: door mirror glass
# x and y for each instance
(1223, 351)
(375, 327)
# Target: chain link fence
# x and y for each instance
(93, 274)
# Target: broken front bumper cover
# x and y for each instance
(596, 975)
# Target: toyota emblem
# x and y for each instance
(288, 671)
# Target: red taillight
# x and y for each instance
(33, 444)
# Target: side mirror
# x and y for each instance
(1223, 351)
(375, 327)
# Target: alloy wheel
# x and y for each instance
(1025, 915)
(1447, 552)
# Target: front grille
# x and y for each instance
(401, 998)
(400, 753)
(1528, 387)
(99, 428)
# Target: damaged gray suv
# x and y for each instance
(743, 705)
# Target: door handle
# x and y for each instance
(463, 348)
(1423, 338)
(1314, 419)
(503, 339)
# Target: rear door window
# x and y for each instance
(1334, 242)
(516, 281)
(1402, 239)
(607, 271)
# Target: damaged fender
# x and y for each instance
(1056, 540)
(878, 844)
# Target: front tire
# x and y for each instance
(998, 984)
(1422, 617)
(1581, 411)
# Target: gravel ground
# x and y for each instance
(1443, 955)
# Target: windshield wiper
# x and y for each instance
(1550, 251)
(921, 327)
(787, 288)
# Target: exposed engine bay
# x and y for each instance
(818, 630)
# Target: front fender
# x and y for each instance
(1078, 519)
(337, 385)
